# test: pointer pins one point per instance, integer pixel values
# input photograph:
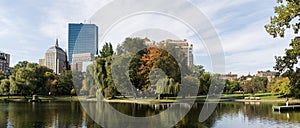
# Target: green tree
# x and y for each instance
(4, 87)
(287, 16)
(107, 50)
(263, 83)
(153, 58)
(285, 13)
(144, 61)
(197, 70)
(103, 74)
(40, 85)
(65, 83)
(205, 81)
(21, 64)
(232, 86)
(51, 82)
(190, 84)
(282, 86)
(288, 65)
(167, 86)
(256, 84)
(28, 78)
(131, 46)
(103, 77)
(2, 75)
(121, 74)
(173, 52)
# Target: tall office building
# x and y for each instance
(4, 63)
(83, 38)
(54, 59)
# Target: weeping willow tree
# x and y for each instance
(167, 87)
(102, 71)
(103, 77)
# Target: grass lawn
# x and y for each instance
(263, 96)
(225, 97)
(43, 98)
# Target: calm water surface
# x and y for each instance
(71, 114)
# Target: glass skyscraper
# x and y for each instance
(83, 38)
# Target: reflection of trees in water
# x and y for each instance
(70, 114)
(251, 112)
(262, 111)
(103, 114)
(191, 119)
(3, 117)
(57, 114)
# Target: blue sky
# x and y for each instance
(29, 27)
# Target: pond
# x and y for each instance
(72, 114)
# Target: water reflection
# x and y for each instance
(71, 114)
(135, 115)
(20, 115)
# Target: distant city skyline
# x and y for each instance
(30, 28)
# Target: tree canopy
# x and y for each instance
(29, 78)
(282, 86)
(107, 50)
(2, 75)
(136, 69)
(287, 16)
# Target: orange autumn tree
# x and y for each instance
(157, 58)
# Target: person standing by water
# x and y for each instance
(287, 101)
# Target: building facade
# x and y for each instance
(82, 38)
(81, 61)
(248, 77)
(269, 74)
(4, 63)
(54, 59)
(229, 76)
(185, 47)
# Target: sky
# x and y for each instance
(29, 27)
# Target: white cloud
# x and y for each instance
(246, 44)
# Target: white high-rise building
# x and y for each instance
(185, 47)
(55, 59)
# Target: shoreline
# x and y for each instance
(143, 101)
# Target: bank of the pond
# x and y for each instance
(41, 98)
(187, 100)
(266, 97)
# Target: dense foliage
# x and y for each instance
(139, 70)
(255, 85)
(287, 16)
(282, 86)
(30, 78)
